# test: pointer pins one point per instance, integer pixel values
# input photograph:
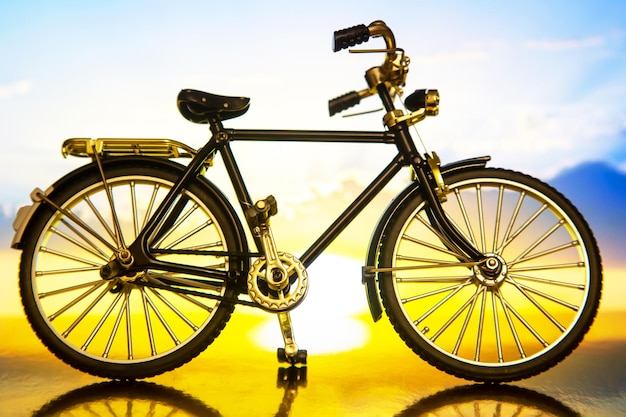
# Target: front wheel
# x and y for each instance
(137, 325)
(517, 313)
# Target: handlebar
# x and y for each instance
(392, 71)
(348, 37)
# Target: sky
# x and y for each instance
(539, 85)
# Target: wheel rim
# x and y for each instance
(122, 321)
(521, 302)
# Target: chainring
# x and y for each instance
(274, 299)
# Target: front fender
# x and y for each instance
(369, 278)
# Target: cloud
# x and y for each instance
(453, 57)
(17, 88)
(565, 44)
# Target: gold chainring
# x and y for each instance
(284, 296)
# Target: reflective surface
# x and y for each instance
(237, 376)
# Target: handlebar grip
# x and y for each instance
(343, 102)
(348, 37)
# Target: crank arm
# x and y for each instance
(290, 353)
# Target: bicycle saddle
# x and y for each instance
(200, 107)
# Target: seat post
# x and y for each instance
(215, 125)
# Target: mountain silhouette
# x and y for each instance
(599, 192)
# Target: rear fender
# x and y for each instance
(25, 214)
(368, 277)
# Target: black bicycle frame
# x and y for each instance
(220, 142)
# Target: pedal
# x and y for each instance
(261, 211)
(298, 358)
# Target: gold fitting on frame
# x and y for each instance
(441, 189)
(432, 103)
(392, 118)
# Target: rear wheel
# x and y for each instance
(522, 310)
(132, 326)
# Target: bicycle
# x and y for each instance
(132, 264)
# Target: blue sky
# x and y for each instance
(539, 85)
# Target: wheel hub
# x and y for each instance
(491, 272)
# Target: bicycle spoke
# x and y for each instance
(509, 320)
(161, 319)
(523, 321)
(498, 218)
(481, 217)
(548, 281)
(496, 323)
(522, 256)
(91, 249)
(116, 326)
(547, 252)
(434, 308)
(468, 224)
(177, 311)
(481, 321)
(525, 289)
(87, 310)
(524, 226)
(438, 234)
(117, 236)
(133, 201)
(177, 223)
(189, 234)
(155, 191)
(103, 319)
(204, 246)
(89, 241)
(129, 328)
(512, 220)
(548, 267)
(42, 295)
(75, 301)
(101, 219)
(429, 245)
(45, 249)
(146, 313)
(467, 319)
(66, 271)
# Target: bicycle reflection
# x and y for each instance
(132, 398)
(488, 400)
(138, 398)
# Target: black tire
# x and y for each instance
(118, 329)
(502, 324)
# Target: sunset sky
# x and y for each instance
(540, 86)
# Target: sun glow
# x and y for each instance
(328, 320)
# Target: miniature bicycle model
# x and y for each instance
(132, 264)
